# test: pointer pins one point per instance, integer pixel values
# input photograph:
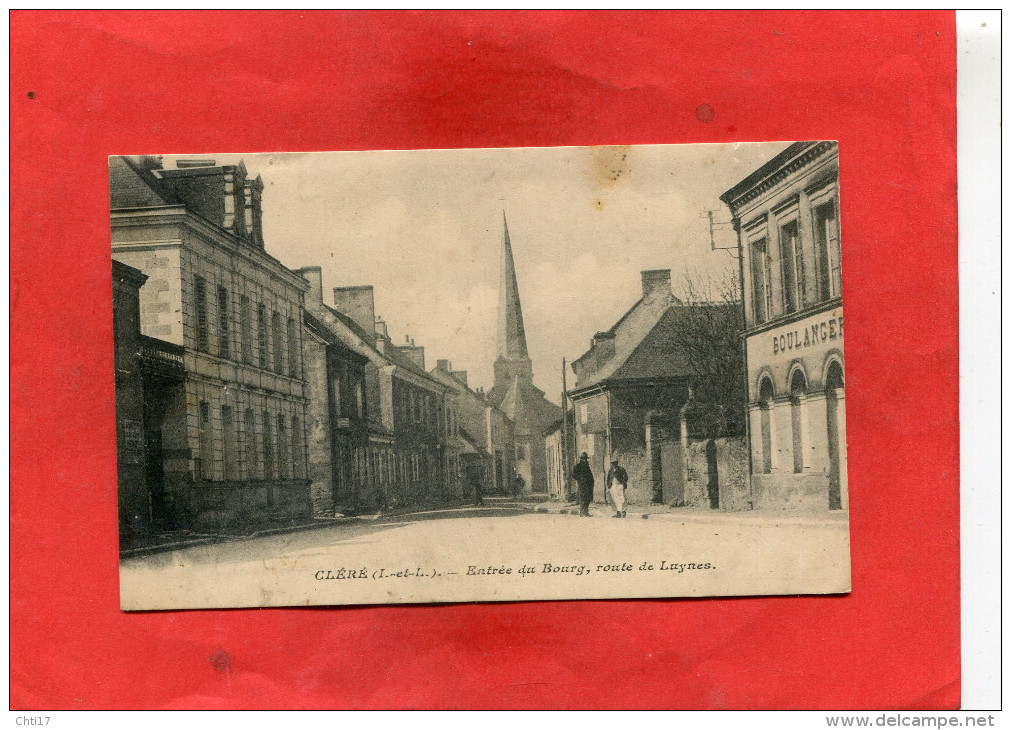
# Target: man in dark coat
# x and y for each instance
(584, 478)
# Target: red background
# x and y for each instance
(883, 84)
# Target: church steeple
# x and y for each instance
(512, 340)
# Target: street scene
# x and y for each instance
(498, 370)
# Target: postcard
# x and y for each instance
(479, 375)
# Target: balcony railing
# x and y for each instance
(161, 358)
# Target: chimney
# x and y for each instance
(314, 275)
(358, 303)
(655, 280)
(415, 354)
(382, 332)
(150, 162)
(460, 375)
(443, 366)
(603, 346)
(254, 213)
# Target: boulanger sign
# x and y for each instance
(801, 336)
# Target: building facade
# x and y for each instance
(630, 384)
(786, 215)
(381, 428)
(485, 433)
(226, 445)
(134, 500)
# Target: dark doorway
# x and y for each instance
(154, 476)
(713, 485)
(765, 404)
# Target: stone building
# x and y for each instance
(633, 398)
(560, 456)
(786, 215)
(486, 451)
(380, 432)
(134, 500)
(514, 392)
(226, 445)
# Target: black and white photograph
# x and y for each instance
(436, 376)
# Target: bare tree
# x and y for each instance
(708, 329)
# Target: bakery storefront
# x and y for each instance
(786, 215)
(798, 413)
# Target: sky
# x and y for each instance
(424, 227)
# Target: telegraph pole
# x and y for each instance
(565, 436)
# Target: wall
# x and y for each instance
(130, 450)
(318, 426)
(689, 481)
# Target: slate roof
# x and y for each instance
(645, 347)
(391, 353)
(131, 186)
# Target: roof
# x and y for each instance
(466, 437)
(525, 405)
(391, 354)
(132, 186)
(797, 153)
(645, 347)
(129, 273)
(321, 330)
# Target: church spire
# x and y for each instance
(512, 340)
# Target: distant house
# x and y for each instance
(384, 419)
(634, 393)
(560, 457)
(485, 430)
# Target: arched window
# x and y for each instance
(765, 396)
(834, 376)
(798, 386)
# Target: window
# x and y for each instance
(765, 397)
(296, 450)
(282, 448)
(792, 258)
(583, 416)
(761, 279)
(416, 405)
(249, 428)
(268, 448)
(228, 439)
(223, 322)
(359, 400)
(798, 385)
(246, 331)
(206, 446)
(335, 391)
(292, 348)
(521, 452)
(826, 243)
(278, 350)
(261, 336)
(200, 297)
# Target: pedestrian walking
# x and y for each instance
(584, 478)
(617, 481)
